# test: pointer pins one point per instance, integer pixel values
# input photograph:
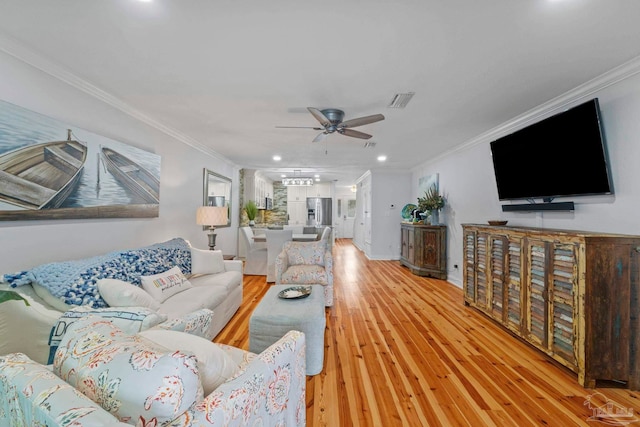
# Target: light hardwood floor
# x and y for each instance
(402, 350)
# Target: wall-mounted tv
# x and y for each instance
(560, 156)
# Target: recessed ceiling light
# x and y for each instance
(146, 1)
(317, 179)
(277, 158)
(382, 158)
(316, 176)
(284, 175)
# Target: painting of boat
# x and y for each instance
(132, 176)
(42, 176)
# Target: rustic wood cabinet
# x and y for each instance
(424, 249)
(573, 295)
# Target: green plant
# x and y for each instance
(11, 295)
(432, 200)
(251, 209)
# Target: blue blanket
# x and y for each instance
(74, 282)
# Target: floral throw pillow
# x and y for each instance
(305, 252)
(137, 381)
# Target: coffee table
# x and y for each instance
(274, 317)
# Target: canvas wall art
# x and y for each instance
(52, 170)
(426, 182)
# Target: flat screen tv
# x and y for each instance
(563, 155)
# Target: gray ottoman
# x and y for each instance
(274, 317)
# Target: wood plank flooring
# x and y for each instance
(402, 350)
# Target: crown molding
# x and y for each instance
(583, 92)
(22, 53)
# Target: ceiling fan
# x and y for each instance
(331, 121)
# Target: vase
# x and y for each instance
(252, 223)
(435, 214)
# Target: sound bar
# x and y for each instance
(530, 207)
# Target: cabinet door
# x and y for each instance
(513, 284)
(411, 245)
(297, 212)
(296, 194)
(431, 247)
(537, 313)
(469, 278)
(319, 190)
(482, 288)
(498, 255)
(564, 280)
(407, 247)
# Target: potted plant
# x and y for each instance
(252, 210)
(431, 202)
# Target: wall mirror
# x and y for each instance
(217, 192)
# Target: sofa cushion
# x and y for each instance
(164, 285)
(206, 262)
(135, 379)
(194, 299)
(305, 275)
(118, 293)
(214, 364)
(305, 252)
(228, 280)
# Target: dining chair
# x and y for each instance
(275, 240)
(255, 262)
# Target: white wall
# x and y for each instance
(24, 244)
(468, 183)
(389, 193)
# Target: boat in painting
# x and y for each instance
(132, 176)
(42, 176)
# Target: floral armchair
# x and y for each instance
(306, 263)
(104, 376)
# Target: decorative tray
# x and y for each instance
(407, 210)
(496, 222)
(295, 292)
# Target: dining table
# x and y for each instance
(299, 237)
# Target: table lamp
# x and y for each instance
(212, 216)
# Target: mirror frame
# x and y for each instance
(210, 177)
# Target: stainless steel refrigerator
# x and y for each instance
(319, 211)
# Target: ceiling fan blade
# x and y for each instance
(324, 121)
(299, 127)
(361, 121)
(321, 136)
(354, 133)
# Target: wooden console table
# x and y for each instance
(573, 295)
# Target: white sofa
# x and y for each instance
(203, 309)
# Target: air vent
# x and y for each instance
(400, 100)
(369, 144)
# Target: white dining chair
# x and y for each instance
(275, 240)
(255, 262)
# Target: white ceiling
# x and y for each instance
(224, 73)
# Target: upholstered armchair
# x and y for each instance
(102, 376)
(306, 263)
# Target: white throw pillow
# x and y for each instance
(214, 364)
(55, 302)
(206, 262)
(118, 293)
(164, 285)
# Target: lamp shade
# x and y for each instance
(212, 215)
